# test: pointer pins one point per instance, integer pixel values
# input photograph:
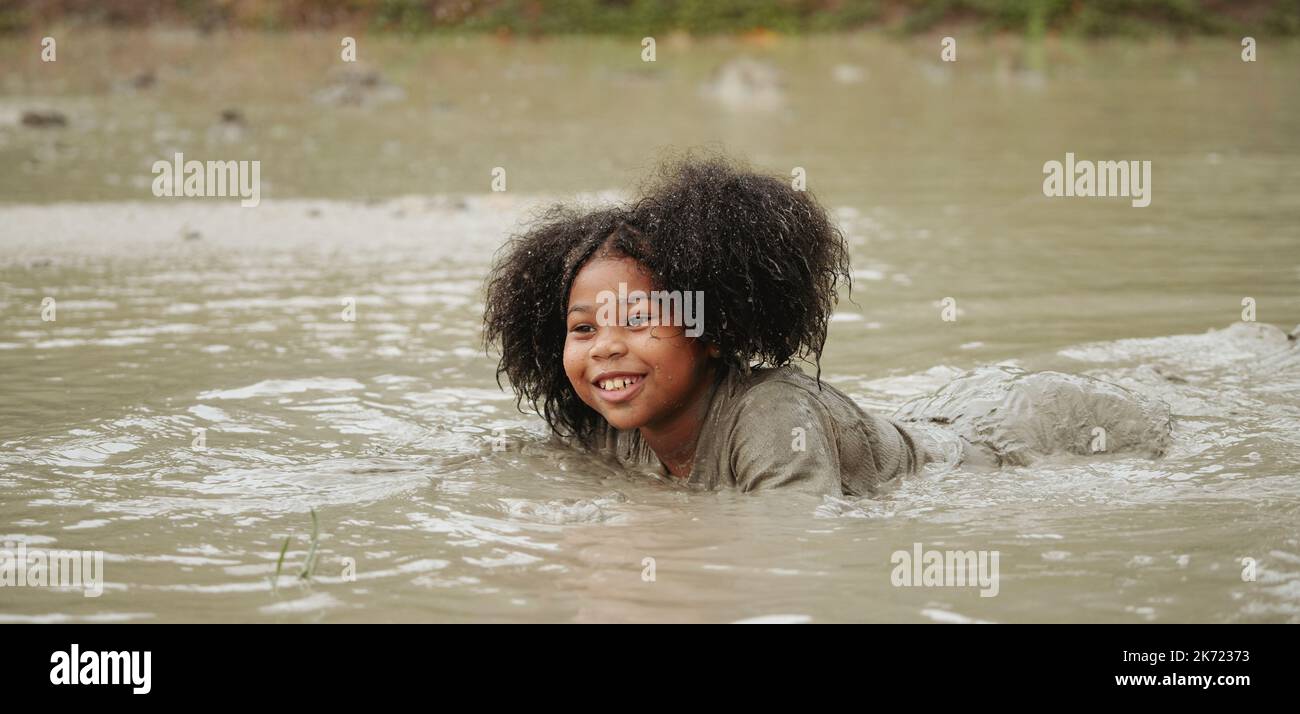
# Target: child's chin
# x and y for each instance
(624, 422)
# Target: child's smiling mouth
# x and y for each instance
(618, 386)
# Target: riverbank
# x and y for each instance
(507, 18)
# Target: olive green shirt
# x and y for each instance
(779, 428)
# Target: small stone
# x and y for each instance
(44, 119)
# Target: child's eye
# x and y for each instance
(638, 320)
(583, 329)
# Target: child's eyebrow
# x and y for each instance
(587, 308)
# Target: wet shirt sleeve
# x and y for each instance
(785, 438)
(879, 451)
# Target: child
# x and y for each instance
(588, 338)
(765, 261)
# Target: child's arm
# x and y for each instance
(785, 439)
(788, 437)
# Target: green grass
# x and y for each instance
(309, 564)
(701, 17)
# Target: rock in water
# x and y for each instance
(746, 85)
(1021, 416)
(144, 80)
(44, 119)
(358, 87)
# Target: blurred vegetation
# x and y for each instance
(1094, 18)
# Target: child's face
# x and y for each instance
(668, 370)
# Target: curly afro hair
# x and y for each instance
(766, 257)
(527, 296)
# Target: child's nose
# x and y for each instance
(609, 343)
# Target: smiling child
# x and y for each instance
(717, 405)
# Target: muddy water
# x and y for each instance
(436, 500)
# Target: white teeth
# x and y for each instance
(612, 385)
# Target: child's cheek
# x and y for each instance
(575, 365)
(678, 369)
(661, 356)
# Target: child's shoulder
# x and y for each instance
(784, 389)
(782, 426)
